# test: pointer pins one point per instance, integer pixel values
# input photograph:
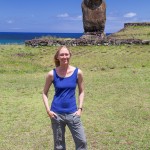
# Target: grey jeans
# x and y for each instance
(75, 126)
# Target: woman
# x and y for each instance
(64, 110)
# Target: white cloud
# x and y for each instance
(9, 21)
(79, 17)
(66, 16)
(130, 15)
(63, 15)
(76, 18)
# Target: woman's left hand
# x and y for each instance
(78, 112)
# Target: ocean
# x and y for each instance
(21, 37)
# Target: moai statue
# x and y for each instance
(94, 17)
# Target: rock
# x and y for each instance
(137, 24)
(146, 42)
(85, 42)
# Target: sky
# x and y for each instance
(65, 16)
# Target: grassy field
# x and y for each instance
(133, 32)
(116, 112)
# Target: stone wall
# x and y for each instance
(85, 42)
(137, 24)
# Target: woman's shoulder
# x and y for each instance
(80, 71)
(50, 74)
(74, 68)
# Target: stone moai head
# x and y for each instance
(94, 16)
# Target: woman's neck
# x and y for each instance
(64, 67)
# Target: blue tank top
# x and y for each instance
(64, 100)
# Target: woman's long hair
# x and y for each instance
(56, 61)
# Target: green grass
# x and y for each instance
(134, 32)
(116, 112)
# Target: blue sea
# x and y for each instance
(21, 37)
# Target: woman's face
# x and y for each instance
(64, 56)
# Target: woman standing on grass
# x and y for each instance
(64, 110)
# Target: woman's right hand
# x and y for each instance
(51, 114)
